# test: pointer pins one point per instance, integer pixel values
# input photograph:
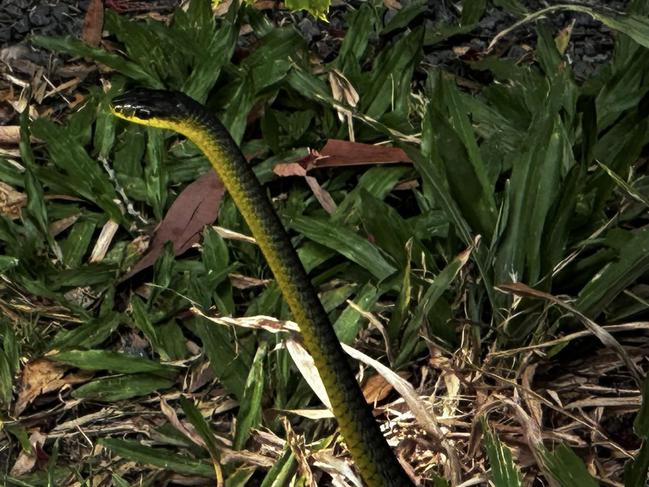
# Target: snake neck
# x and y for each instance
(372, 454)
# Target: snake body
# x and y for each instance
(373, 456)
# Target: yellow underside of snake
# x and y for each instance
(374, 458)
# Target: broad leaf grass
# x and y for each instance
(532, 178)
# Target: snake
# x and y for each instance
(373, 456)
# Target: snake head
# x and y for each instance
(155, 108)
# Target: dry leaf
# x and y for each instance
(100, 249)
(93, 23)
(226, 234)
(392, 4)
(340, 470)
(26, 461)
(321, 194)
(11, 201)
(186, 429)
(219, 9)
(42, 376)
(452, 398)
(304, 362)
(259, 322)
(9, 134)
(310, 413)
(197, 206)
(298, 447)
(290, 169)
(300, 169)
(562, 40)
(424, 417)
(240, 281)
(344, 153)
(346, 95)
(200, 375)
(59, 226)
(377, 388)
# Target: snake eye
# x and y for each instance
(146, 104)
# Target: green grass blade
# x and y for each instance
(84, 175)
(195, 417)
(472, 11)
(77, 243)
(159, 457)
(250, 405)
(567, 468)
(89, 334)
(345, 242)
(436, 183)
(214, 53)
(434, 292)
(633, 261)
(635, 470)
(228, 364)
(155, 175)
(503, 470)
(534, 188)
(361, 25)
(468, 187)
(75, 47)
(349, 322)
(106, 360)
(113, 389)
(389, 86)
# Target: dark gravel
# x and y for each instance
(19, 18)
(591, 43)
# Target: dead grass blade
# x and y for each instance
(601, 333)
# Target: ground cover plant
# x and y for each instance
(480, 242)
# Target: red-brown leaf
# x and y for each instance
(93, 23)
(345, 153)
(197, 206)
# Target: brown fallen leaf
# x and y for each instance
(200, 375)
(300, 168)
(9, 134)
(338, 153)
(186, 429)
(377, 388)
(11, 201)
(42, 376)
(344, 153)
(240, 281)
(287, 169)
(321, 194)
(392, 4)
(197, 206)
(93, 23)
(219, 9)
(267, 5)
(27, 460)
(346, 95)
(60, 226)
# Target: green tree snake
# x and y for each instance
(373, 456)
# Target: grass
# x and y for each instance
(499, 277)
